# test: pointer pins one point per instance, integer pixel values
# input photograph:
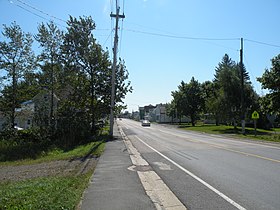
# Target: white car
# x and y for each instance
(146, 123)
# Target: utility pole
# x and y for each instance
(242, 87)
(113, 78)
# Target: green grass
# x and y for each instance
(43, 193)
(94, 148)
(53, 192)
(261, 134)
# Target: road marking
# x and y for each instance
(247, 154)
(156, 189)
(222, 137)
(223, 148)
(238, 206)
(219, 146)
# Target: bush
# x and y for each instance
(20, 144)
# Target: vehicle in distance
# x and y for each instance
(146, 123)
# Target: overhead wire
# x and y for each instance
(249, 70)
(44, 13)
(262, 43)
(108, 37)
(41, 11)
(165, 34)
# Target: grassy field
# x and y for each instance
(265, 135)
(52, 192)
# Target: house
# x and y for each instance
(159, 114)
(135, 115)
(24, 115)
(146, 112)
(35, 112)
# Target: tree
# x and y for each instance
(50, 39)
(271, 80)
(83, 50)
(193, 98)
(171, 110)
(178, 102)
(228, 91)
(92, 65)
(189, 99)
(212, 99)
(16, 59)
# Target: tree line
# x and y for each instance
(224, 98)
(72, 66)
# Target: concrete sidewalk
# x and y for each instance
(112, 185)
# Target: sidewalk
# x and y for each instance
(112, 185)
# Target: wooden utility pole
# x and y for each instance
(113, 78)
(241, 66)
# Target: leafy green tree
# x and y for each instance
(178, 101)
(171, 110)
(86, 54)
(212, 99)
(123, 86)
(50, 38)
(227, 80)
(193, 98)
(189, 99)
(227, 98)
(271, 80)
(16, 59)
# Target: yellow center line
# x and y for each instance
(247, 154)
(224, 148)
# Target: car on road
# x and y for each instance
(145, 123)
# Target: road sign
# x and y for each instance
(255, 115)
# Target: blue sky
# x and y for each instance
(160, 40)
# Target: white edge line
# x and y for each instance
(196, 177)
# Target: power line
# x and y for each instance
(34, 8)
(44, 13)
(263, 43)
(31, 12)
(108, 37)
(181, 37)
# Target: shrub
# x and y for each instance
(20, 144)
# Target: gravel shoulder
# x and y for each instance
(53, 168)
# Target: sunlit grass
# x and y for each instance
(43, 193)
(261, 134)
(93, 148)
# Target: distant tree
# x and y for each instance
(193, 99)
(227, 99)
(178, 102)
(212, 98)
(171, 110)
(189, 99)
(16, 59)
(271, 80)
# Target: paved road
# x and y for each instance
(210, 171)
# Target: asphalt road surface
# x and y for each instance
(209, 171)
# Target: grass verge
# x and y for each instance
(43, 193)
(52, 192)
(94, 148)
(261, 134)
